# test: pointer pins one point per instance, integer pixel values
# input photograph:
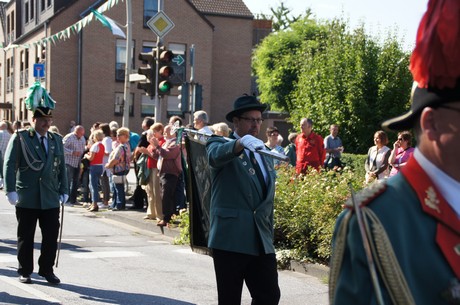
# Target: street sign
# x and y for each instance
(160, 24)
(179, 60)
(39, 70)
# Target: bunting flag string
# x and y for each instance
(67, 32)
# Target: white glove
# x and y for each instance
(1, 183)
(63, 198)
(252, 143)
(12, 197)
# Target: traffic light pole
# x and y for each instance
(126, 95)
(192, 83)
(157, 98)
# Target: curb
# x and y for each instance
(319, 271)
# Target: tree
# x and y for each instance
(282, 18)
(324, 71)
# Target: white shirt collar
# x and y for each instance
(445, 184)
(40, 136)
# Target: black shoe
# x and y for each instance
(51, 278)
(25, 279)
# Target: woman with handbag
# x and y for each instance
(119, 162)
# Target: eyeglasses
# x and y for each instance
(450, 108)
(257, 121)
(274, 134)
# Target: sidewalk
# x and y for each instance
(134, 218)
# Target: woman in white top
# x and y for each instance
(105, 178)
(377, 158)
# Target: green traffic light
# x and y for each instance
(164, 86)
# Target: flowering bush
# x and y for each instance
(306, 208)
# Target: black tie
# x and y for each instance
(42, 142)
(258, 171)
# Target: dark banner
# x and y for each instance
(198, 194)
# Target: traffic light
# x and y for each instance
(165, 71)
(149, 71)
(184, 97)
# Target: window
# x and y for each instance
(26, 12)
(172, 106)
(42, 5)
(50, 2)
(21, 70)
(121, 59)
(147, 105)
(32, 9)
(150, 9)
(119, 104)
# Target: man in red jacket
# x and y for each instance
(309, 148)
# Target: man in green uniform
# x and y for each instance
(402, 245)
(36, 182)
(241, 214)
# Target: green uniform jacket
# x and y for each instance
(36, 189)
(241, 217)
(412, 233)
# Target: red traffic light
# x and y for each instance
(166, 71)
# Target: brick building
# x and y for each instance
(84, 72)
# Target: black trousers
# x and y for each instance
(168, 184)
(49, 224)
(259, 272)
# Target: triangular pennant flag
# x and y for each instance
(109, 23)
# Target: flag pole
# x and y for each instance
(126, 95)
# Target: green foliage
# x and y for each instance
(184, 224)
(355, 163)
(275, 62)
(325, 72)
(306, 209)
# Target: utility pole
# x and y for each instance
(127, 93)
(157, 98)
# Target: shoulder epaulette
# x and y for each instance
(367, 195)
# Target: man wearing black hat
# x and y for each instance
(402, 245)
(36, 182)
(241, 213)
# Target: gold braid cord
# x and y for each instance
(337, 257)
(386, 260)
(28, 154)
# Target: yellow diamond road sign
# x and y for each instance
(160, 24)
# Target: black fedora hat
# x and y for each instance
(43, 112)
(245, 103)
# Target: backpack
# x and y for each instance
(122, 167)
(143, 172)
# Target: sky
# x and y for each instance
(378, 16)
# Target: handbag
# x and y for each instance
(122, 167)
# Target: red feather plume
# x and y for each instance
(435, 61)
